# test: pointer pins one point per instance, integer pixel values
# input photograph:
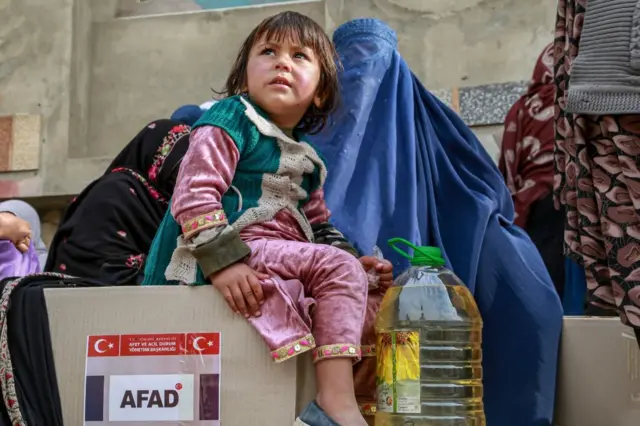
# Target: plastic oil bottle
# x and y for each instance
(428, 347)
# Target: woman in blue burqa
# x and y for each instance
(405, 165)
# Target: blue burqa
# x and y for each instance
(402, 164)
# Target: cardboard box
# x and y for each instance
(598, 381)
(599, 375)
(254, 389)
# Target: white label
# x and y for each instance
(155, 397)
(407, 405)
(385, 398)
(408, 397)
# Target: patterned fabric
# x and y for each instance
(294, 348)
(202, 222)
(22, 380)
(7, 376)
(339, 350)
(155, 154)
(107, 230)
(526, 158)
(150, 189)
(168, 142)
(598, 182)
(368, 408)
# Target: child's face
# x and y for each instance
(282, 78)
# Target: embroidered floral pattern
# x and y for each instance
(368, 408)
(154, 193)
(337, 350)
(135, 261)
(175, 134)
(204, 221)
(295, 348)
(7, 379)
(368, 350)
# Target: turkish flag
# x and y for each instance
(103, 346)
(203, 343)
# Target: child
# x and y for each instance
(250, 204)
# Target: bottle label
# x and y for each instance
(398, 372)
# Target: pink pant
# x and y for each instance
(316, 299)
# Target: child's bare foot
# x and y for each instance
(336, 395)
(343, 409)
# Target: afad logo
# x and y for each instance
(151, 397)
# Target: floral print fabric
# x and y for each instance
(597, 180)
(526, 157)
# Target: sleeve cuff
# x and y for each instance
(220, 252)
(203, 222)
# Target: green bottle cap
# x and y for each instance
(422, 255)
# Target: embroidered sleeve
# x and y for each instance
(323, 232)
(206, 173)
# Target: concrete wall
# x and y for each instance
(155, 7)
(172, 60)
(95, 78)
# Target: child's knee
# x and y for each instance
(342, 257)
(348, 267)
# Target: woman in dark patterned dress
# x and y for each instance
(107, 230)
(526, 162)
(597, 119)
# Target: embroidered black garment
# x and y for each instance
(107, 230)
(29, 383)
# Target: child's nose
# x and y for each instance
(283, 63)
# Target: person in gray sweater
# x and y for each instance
(605, 76)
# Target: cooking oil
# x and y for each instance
(429, 355)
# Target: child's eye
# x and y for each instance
(300, 55)
(267, 51)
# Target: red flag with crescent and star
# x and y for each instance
(203, 343)
(103, 346)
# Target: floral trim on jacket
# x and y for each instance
(175, 134)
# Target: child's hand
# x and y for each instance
(16, 230)
(382, 267)
(240, 286)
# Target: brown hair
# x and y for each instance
(293, 25)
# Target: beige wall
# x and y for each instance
(178, 61)
(96, 79)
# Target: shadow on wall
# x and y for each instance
(130, 8)
(221, 4)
